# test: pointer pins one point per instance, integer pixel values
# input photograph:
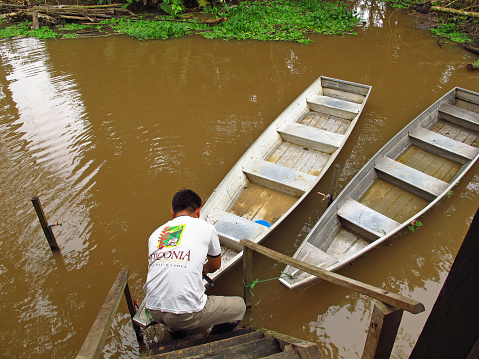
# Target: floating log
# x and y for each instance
(471, 48)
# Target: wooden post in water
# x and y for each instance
(382, 331)
(337, 167)
(47, 230)
(247, 275)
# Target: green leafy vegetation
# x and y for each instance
(414, 226)
(284, 21)
(451, 31)
(24, 30)
(275, 20)
(152, 29)
(280, 20)
(73, 27)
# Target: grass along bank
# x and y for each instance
(276, 20)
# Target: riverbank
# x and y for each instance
(276, 20)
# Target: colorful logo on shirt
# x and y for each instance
(171, 236)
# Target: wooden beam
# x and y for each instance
(382, 295)
(247, 275)
(382, 331)
(96, 338)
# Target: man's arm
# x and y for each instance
(212, 264)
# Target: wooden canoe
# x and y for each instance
(280, 168)
(283, 165)
(408, 176)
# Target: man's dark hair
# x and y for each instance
(185, 199)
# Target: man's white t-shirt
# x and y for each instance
(176, 254)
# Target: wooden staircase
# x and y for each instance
(242, 343)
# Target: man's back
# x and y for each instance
(176, 254)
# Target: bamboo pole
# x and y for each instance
(384, 296)
(455, 11)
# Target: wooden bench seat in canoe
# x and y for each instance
(231, 228)
(310, 137)
(442, 145)
(460, 116)
(364, 220)
(279, 178)
(409, 179)
(334, 106)
(315, 256)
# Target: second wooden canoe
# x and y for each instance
(408, 176)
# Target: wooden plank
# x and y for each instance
(410, 179)
(384, 296)
(310, 137)
(467, 95)
(279, 178)
(290, 354)
(306, 350)
(343, 95)
(345, 86)
(178, 344)
(334, 107)
(365, 221)
(442, 146)
(212, 349)
(459, 116)
(382, 331)
(96, 338)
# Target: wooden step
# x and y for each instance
(218, 349)
(232, 228)
(173, 345)
(460, 117)
(256, 349)
(364, 220)
(409, 179)
(442, 146)
(310, 137)
(334, 106)
(290, 354)
(279, 178)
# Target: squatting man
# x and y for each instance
(177, 251)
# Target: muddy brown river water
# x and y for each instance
(105, 130)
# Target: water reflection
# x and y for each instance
(371, 13)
